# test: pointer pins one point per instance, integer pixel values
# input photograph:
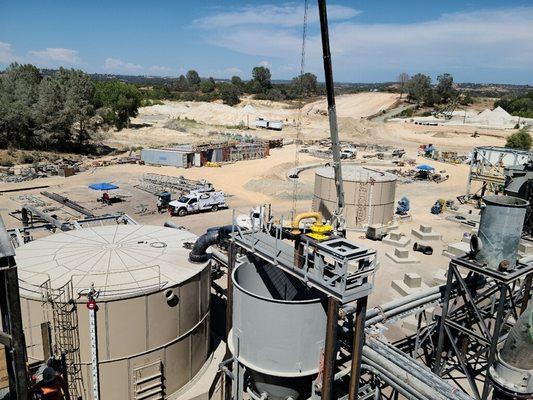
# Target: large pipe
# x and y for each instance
(213, 236)
(48, 218)
(500, 230)
(423, 378)
(297, 218)
(512, 373)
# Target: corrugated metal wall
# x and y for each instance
(164, 157)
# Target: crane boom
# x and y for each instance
(338, 219)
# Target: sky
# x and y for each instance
(483, 41)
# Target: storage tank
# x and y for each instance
(153, 307)
(279, 328)
(369, 195)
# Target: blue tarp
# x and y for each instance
(425, 167)
(103, 186)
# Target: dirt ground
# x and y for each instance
(254, 182)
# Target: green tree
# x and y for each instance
(229, 93)
(261, 76)
(237, 81)
(19, 90)
(78, 91)
(444, 89)
(120, 101)
(208, 85)
(182, 84)
(519, 140)
(193, 77)
(303, 85)
(419, 89)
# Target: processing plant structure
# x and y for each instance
(128, 308)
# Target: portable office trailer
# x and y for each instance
(165, 157)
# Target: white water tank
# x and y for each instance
(369, 195)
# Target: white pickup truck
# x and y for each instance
(196, 202)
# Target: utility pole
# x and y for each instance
(338, 218)
(12, 335)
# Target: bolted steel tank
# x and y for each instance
(500, 229)
(279, 328)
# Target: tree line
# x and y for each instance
(57, 111)
(190, 87)
(519, 105)
(420, 90)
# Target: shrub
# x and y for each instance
(519, 140)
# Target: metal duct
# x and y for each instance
(512, 373)
(212, 236)
(500, 230)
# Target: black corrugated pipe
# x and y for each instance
(212, 236)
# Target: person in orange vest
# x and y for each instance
(52, 386)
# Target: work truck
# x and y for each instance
(197, 201)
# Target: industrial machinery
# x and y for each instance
(519, 183)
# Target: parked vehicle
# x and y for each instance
(348, 153)
(196, 202)
(266, 124)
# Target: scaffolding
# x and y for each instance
(487, 166)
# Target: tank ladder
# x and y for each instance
(61, 306)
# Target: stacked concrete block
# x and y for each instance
(402, 256)
(396, 239)
(525, 248)
(411, 283)
(425, 232)
(458, 249)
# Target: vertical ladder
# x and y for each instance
(61, 304)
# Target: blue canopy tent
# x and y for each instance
(425, 167)
(103, 186)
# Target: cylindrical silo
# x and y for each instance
(500, 229)
(278, 331)
(153, 306)
(368, 194)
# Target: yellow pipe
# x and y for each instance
(297, 218)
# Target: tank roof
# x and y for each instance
(357, 173)
(121, 260)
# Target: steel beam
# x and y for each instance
(330, 350)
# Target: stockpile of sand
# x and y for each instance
(356, 106)
(498, 118)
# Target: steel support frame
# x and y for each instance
(12, 329)
(469, 334)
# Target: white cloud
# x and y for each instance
(160, 68)
(55, 56)
(467, 44)
(230, 71)
(288, 15)
(6, 53)
(265, 64)
(116, 65)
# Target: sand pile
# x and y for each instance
(354, 105)
(496, 118)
